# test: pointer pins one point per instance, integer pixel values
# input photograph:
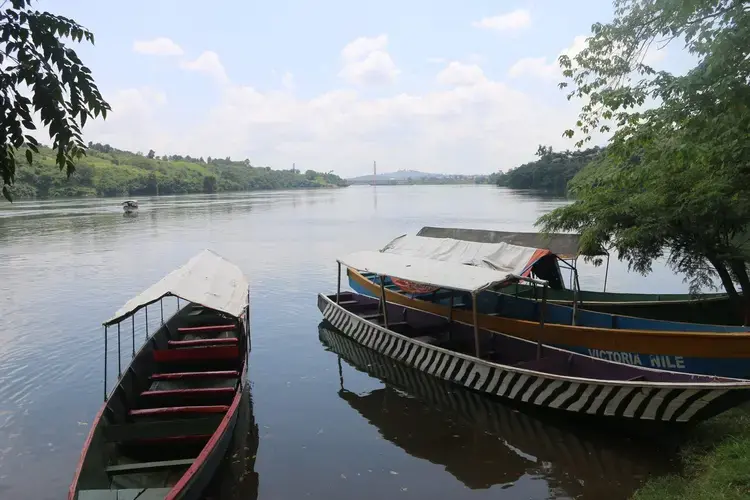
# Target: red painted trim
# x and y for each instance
(210, 328)
(196, 437)
(197, 353)
(202, 342)
(179, 409)
(179, 487)
(179, 375)
(189, 392)
(74, 485)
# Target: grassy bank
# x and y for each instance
(106, 171)
(716, 463)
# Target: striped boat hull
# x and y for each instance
(644, 402)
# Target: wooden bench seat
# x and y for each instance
(163, 429)
(211, 374)
(148, 412)
(203, 342)
(148, 466)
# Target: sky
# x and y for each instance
(438, 86)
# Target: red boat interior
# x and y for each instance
(167, 405)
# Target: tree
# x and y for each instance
(151, 154)
(61, 88)
(674, 178)
(209, 184)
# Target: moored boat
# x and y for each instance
(165, 426)
(511, 368)
(561, 250)
(130, 206)
(413, 410)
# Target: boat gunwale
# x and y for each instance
(650, 333)
(731, 383)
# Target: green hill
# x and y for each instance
(551, 172)
(106, 171)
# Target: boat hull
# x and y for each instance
(613, 400)
(714, 308)
(696, 349)
(89, 478)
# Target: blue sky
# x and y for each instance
(459, 87)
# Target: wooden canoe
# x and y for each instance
(165, 426)
(686, 347)
(522, 372)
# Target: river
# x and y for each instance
(66, 265)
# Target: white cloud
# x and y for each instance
(161, 46)
(541, 67)
(134, 122)
(472, 124)
(287, 81)
(365, 61)
(459, 74)
(209, 63)
(512, 21)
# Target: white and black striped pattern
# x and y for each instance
(632, 401)
(527, 434)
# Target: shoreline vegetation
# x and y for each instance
(551, 172)
(714, 461)
(109, 172)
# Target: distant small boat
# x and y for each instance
(165, 427)
(511, 368)
(130, 206)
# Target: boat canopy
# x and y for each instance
(207, 279)
(564, 245)
(431, 272)
(502, 256)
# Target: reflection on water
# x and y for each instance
(67, 265)
(483, 443)
(236, 478)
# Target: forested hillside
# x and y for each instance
(551, 172)
(106, 171)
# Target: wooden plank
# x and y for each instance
(179, 409)
(178, 375)
(197, 353)
(189, 392)
(126, 494)
(204, 342)
(210, 328)
(148, 466)
(163, 429)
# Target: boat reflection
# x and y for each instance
(483, 443)
(236, 477)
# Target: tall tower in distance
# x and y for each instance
(374, 173)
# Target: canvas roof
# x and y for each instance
(502, 256)
(443, 274)
(563, 245)
(207, 279)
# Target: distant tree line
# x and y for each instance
(551, 172)
(107, 171)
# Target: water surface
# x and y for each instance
(67, 265)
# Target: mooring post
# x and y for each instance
(476, 323)
(146, 308)
(178, 303)
(338, 283)
(161, 306)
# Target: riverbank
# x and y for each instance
(716, 463)
(109, 172)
